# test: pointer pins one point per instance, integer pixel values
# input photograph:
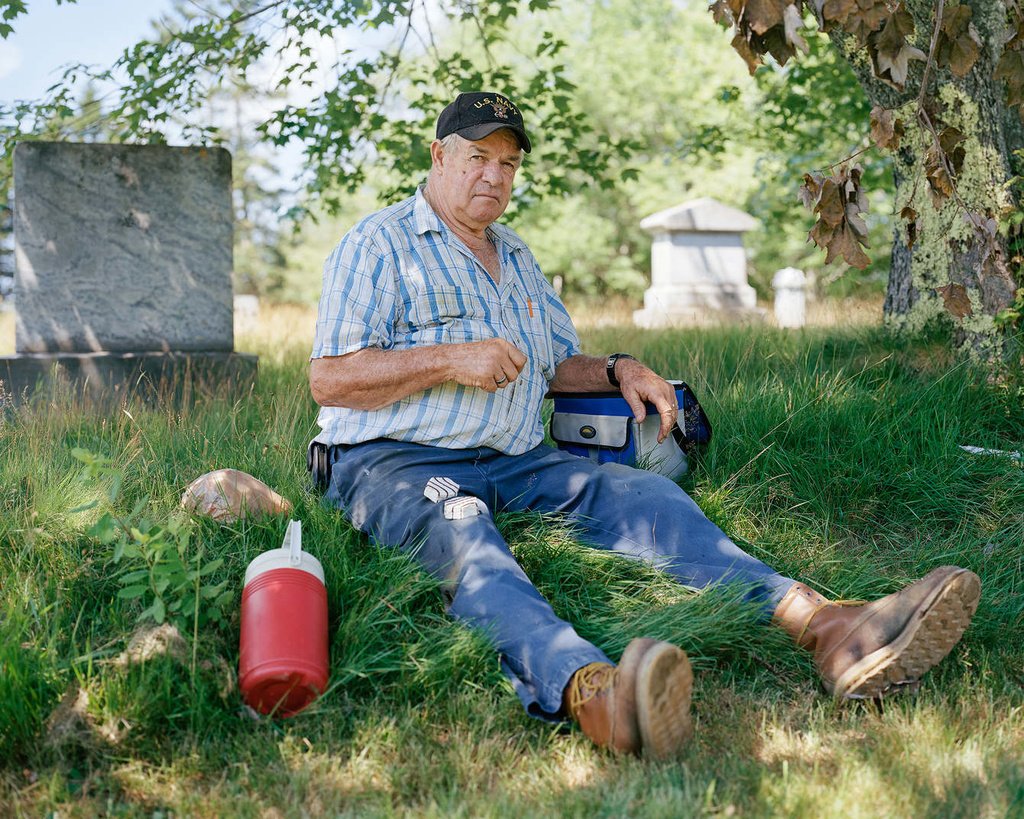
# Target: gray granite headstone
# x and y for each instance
(123, 263)
(122, 248)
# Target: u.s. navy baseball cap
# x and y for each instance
(476, 114)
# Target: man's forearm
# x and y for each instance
(371, 379)
(581, 373)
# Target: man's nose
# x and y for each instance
(492, 173)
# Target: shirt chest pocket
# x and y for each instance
(443, 315)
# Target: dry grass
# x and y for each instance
(592, 314)
(6, 333)
(279, 329)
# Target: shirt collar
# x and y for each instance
(426, 220)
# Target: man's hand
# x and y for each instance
(586, 373)
(639, 384)
(491, 364)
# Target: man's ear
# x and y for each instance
(436, 153)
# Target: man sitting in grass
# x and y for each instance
(436, 342)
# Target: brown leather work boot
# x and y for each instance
(868, 650)
(642, 705)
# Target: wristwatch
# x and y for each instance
(609, 367)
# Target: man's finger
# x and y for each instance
(668, 409)
(668, 421)
(636, 403)
(518, 359)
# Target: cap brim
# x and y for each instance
(474, 132)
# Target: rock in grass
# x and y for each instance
(227, 495)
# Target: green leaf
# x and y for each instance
(211, 567)
(157, 611)
(140, 504)
(105, 530)
(132, 592)
(115, 486)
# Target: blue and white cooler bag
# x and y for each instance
(600, 426)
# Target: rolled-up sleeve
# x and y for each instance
(357, 303)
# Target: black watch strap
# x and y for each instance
(610, 367)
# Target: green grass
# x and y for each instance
(836, 459)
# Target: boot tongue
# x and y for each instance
(796, 611)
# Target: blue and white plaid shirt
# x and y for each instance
(400, 279)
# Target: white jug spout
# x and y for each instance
(293, 542)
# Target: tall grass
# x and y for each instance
(836, 458)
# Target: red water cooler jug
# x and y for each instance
(283, 656)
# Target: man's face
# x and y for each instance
(476, 178)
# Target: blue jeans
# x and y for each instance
(379, 486)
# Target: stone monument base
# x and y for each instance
(112, 378)
(697, 304)
(647, 319)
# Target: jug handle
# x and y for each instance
(293, 541)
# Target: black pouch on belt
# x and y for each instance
(318, 462)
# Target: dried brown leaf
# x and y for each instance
(958, 44)
(837, 11)
(956, 300)
(857, 223)
(889, 50)
(844, 243)
(867, 17)
(762, 15)
(742, 47)
(720, 11)
(1011, 69)
(940, 186)
(882, 130)
(830, 205)
(821, 234)
(792, 23)
(810, 190)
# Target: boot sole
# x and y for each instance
(664, 687)
(933, 630)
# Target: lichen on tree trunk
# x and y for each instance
(946, 250)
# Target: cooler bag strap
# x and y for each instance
(693, 427)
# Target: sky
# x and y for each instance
(49, 37)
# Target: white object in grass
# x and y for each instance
(1002, 453)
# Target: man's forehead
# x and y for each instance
(501, 141)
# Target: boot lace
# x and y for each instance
(588, 682)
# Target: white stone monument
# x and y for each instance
(698, 265)
(790, 297)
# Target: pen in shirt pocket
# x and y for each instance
(529, 304)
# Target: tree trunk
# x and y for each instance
(947, 250)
